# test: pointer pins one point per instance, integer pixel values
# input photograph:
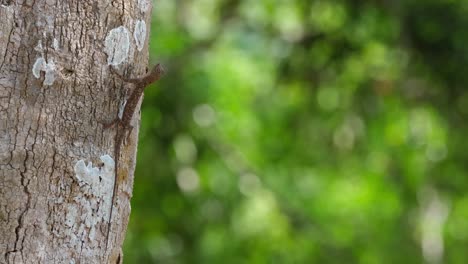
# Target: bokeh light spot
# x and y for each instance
(188, 180)
(185, 149)
(204, 115)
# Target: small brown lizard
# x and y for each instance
(123, 124)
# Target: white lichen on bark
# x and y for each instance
(144, 5)
(48, 68)
(140, 34)
(96, 181)
(55, 44)
(117, 45)
(93, 204)
(39, 47)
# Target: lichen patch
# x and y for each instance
(97, 181)
(39, 47)
(144, 5)
(140, 34)
(93, 203)
(55, 44)
(117, 45)
(47, 67)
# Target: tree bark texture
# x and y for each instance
(57, 166)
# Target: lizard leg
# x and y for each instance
(110, 124)
(125, 79)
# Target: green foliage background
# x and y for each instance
(302, 131)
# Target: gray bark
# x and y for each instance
(56, 159)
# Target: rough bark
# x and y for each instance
(56, 158)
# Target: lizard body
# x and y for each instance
(123, 124)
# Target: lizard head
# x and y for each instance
(155, 74)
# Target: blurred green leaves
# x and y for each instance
(304, 131)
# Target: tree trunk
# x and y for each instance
(57, 161)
